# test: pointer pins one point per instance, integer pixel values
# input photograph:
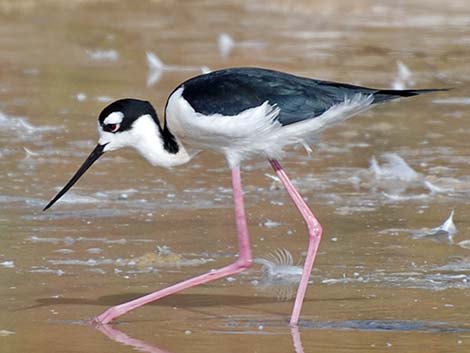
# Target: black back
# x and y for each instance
(231, 91)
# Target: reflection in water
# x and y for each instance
(298, 347)
(122, 338)
(340, 326)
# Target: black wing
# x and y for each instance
(231, 91)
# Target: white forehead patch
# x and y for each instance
(114, 118)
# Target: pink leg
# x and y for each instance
(244, 261)
(314, 236)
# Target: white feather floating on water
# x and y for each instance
(226, 43)
(157, 67)
(276, 183)
(8, 264)
(205, 69)
(448, 226)
(4, 333)
(434, 189)
(398, 178)
(30, 153)
(269, 223)
(273, 177)
(446, 230)
(464, 244)
(403, 79)
(394, 167)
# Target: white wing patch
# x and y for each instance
(255, 131)
(114, 118)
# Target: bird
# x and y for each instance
(242, 113)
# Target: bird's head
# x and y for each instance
(123, 123)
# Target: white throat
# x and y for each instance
(145, 137)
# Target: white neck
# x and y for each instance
(150, 145)
(146, 138)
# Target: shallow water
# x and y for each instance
(127, 228)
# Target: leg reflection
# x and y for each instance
(122, 338)
(141, 346)
(298, 348)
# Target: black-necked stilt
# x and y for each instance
(241, 113)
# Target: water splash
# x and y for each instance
(279, 265)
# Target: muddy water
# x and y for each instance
(383, 281)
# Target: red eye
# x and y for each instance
(112, 127)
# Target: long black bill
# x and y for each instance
(94, 155)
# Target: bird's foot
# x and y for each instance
(105, 318)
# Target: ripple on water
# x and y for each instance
(235, 324)
(22, 128)
(387, 325)
(428, 278)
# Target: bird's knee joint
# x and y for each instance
(315, 231)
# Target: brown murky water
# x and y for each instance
(383, 281)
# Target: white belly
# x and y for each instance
(255, 131)
(240, 135)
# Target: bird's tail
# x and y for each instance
(389, 94)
